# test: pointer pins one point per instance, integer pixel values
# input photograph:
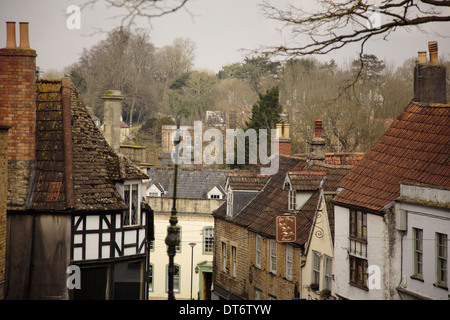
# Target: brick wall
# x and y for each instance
(232, 236)
(284, 146)
(3, 198)
(18, 100)
(272, 286)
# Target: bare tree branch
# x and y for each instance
(335, 25)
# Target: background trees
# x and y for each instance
(161, 82)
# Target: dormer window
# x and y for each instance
(292, 200)
(132, 200)
(215, 193)
(230, 204)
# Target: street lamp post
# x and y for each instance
(173, 239)
(192, 244)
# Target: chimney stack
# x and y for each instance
(317, 144)
(430, 78)
(18, 111)
(112, 115)
(284, 141)
(18, 93)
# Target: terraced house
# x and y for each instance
(258, 254)
(392, 213)
(75, 228)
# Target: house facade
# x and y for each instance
(392, 209)
(75, 224)
(199, 193)
(259, 257)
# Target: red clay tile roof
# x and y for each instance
(247, 181)
(306, 179)
(415, 148)
(343, 158)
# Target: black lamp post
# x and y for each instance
(173, 238)
(192, 244)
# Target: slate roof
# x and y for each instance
(95, 166)
(414, 149)
(193, 184)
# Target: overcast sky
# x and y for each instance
(221, 29)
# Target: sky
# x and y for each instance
(224, 32)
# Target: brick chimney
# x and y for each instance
(317, 143)
(112, 115)
(18, 93)
(284, 141)
(430, 77)
(18, 111)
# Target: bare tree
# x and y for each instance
(335, 24)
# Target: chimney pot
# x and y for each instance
(318, 128)
(433, 48)
(422, 57)
(10, 34)
(24, 38)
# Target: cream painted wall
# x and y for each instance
(192, 226)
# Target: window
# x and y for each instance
(418, 252)
(315, 278)
(131, 198)
(224, 257)
(214, 196)
(176, 278)
(441, 261)
(230, 204)
(289, 258)
(327, 269)
(358, 225)
(208, 240)
(150, 278)
(292, 199)
(258, 251)
(234, 259)
(358, 271)
(273, 256)
(358, 233)
(257, 294)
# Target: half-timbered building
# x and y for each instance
(76, 221)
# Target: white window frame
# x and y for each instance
(129, 185)
(230, 204)
(315, 268)
(292, 199)
(258, 240)
(289, 261)
(208, 240)
(273, 256)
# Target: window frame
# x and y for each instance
(360, 278)
(273, 256)
(289, 261)
(418, 252)
(441, 259)
(208, 241)
(224, 257)
(315, 268)
(292, 201)
(327, 272)
(129, 198)
(233, 261)
(258, 244)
